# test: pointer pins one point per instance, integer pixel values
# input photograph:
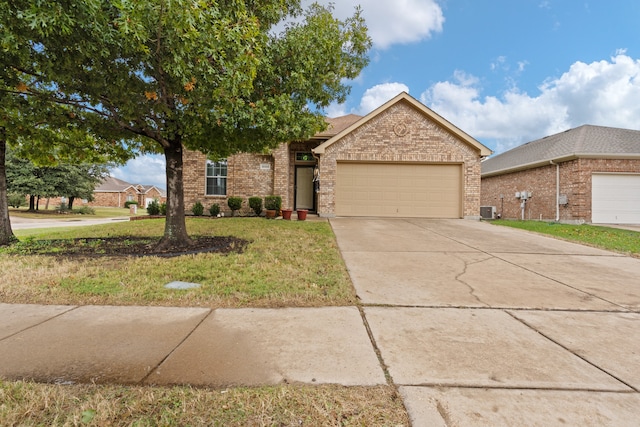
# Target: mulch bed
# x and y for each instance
(133, 246)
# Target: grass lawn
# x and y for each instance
(53, 214)
(613, 239)
(286, 263)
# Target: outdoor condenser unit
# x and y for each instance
(487, 212)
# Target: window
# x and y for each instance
(216, 178)
(129, 197)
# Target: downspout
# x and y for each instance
(557, 189)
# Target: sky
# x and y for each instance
(504, 71)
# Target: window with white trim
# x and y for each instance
(216, 178)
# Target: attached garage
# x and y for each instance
(399, 190)
(615, 198)
(401, 160)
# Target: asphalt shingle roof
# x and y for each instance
(583, 141)
(337, 125)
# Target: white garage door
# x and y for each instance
(399, 190)
(615, 199)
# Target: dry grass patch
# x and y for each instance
(286, 263)
(30, 404)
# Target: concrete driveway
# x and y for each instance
(485, 325)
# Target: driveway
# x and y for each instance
(486, 325)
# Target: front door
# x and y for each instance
(305, 195)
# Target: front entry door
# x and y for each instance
(304, 188)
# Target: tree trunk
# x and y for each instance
(38, 203)
(32, 203)
(6, 234)
(175, 228)
(71, 199)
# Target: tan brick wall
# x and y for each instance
(575, 183)
(426, 142)
(245, 179)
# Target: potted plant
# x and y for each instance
(272, 204)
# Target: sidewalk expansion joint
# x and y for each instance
(71, 308)
(574, 353)
(385, 368)
(186, 337)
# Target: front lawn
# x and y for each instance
(285, 263)
(613, 239)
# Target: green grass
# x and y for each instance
(53, 214)
(287, 263)
(613, 239)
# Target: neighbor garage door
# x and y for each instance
(399, 190)
(615, 199)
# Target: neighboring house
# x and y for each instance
(114, 192)
(401, 160)
(587, 174)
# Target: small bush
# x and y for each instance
(163, 208)
(214, 210)
(85, 210)
(153, 208)
(129, 203)
(15, 200)
(255, 203)
(273, 203)
(234, 203)
(197, 209)
(63, 207)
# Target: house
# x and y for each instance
(586, 174)
(401, 160)
(114, 192)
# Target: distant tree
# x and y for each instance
(209, 76)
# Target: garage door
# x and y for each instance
(615, 199)
(399, 190)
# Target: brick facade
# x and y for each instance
(575, 184)
(403, 131)
(425, 142)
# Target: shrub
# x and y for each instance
(129, 203)
(85, 210)
(153, 208)
(197, 209)
(15, 200)
(273, 203)
(214, 210)
(255, 203)
(163, 208)
(234, 204)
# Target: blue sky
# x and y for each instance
(504, 71)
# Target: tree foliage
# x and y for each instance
(214, 76)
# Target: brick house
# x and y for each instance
(401, 160)
(586, 174)
(114, 192)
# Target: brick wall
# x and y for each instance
(575, 183)
(247, 176)
(425, 142)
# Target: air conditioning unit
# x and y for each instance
(487, 212)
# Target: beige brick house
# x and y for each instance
(587, 174)
(401, 160)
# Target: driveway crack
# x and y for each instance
(458, 278)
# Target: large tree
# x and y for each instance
(220, 77)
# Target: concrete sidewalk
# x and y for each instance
(475, 325)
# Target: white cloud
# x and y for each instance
(393, 22)
(146, 170)
(602, 93)
(376, 96)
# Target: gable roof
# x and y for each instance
(114, 185)
(337, 125)
(586, 141)
(405, 97)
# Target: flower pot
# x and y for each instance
(302, 214)
(270, 213)
(286, 213)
